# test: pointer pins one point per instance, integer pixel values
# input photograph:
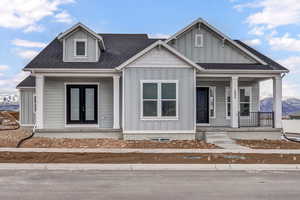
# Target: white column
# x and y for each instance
(277, 105)
(116, 86)
(39, 92)
(234, 101)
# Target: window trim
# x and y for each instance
(215, 96)
(34, 103)
(239, 102)
(197, 37)
(75, 48)
(159, 100)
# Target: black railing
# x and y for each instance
(257, 119)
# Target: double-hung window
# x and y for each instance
(244, 101)
(159, 99)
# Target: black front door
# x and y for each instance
(82, 104)
(202, 105)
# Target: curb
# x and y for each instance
(100, 150)
(151, 167)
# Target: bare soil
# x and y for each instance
(269, 144)
(147, 158)
(11, 138)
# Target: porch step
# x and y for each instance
(222, 140)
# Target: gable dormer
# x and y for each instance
(81, 44)
(203, 43)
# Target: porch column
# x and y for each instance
(277, 105)
(39, 92)
(116, 86)
(234, 101)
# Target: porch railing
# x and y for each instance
(257, 119)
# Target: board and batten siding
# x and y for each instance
(213, 50)
(93, 51)
(54, 105)
(158, 64)
(220, 118)
(27, 115)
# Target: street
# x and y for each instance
(144, 185)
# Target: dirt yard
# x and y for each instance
(144, 158)
(11, 138)
(269, 144)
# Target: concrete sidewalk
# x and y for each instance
(99, 150)
(148, 167)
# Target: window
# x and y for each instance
(245, 96)
(198, 40)
(244, 101)
(159, 99)
(80, 47)
(212, 102)
(34, 103)
(228, 102)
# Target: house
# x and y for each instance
(294, 115)
(133, 87)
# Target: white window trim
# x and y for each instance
(34, 103)
(214, 89)
(197, 38)
(250, 102)
(75, 48)
(82, 125)
(159, 100)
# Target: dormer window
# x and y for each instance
(198, 40)
(80, 47)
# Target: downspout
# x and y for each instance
(27, 138)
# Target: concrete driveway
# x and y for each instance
(143, 185)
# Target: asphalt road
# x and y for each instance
(183, 185)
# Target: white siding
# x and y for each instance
(92, 55)
(27, 115)
(54, 106)
(213, 50)
(161, 65)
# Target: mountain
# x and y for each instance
(289, 105)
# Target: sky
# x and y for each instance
(270, 26)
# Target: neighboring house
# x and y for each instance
(133, 87)
(294, 115)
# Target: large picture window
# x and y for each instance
(159, 99)
(244, 101)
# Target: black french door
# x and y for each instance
(202, 105)
(82, 104)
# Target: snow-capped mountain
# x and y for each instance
(289, 105)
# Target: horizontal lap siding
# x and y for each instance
(220, 119)
(27, 114)
(54, 107)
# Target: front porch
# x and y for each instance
(233, 101)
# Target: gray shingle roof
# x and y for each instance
(29, 81)
(119, 48)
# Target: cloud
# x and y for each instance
(285, 43)
(258, 30)
(27, 43)
(34, 28)
(4, 67)
(27, 54)
(25, 14)
(63, 17)
(288, 89)
(273, 13)
(253, 42)
(159, 35)
(292, 63)
(8, 85)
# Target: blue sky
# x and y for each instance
(271, 26)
